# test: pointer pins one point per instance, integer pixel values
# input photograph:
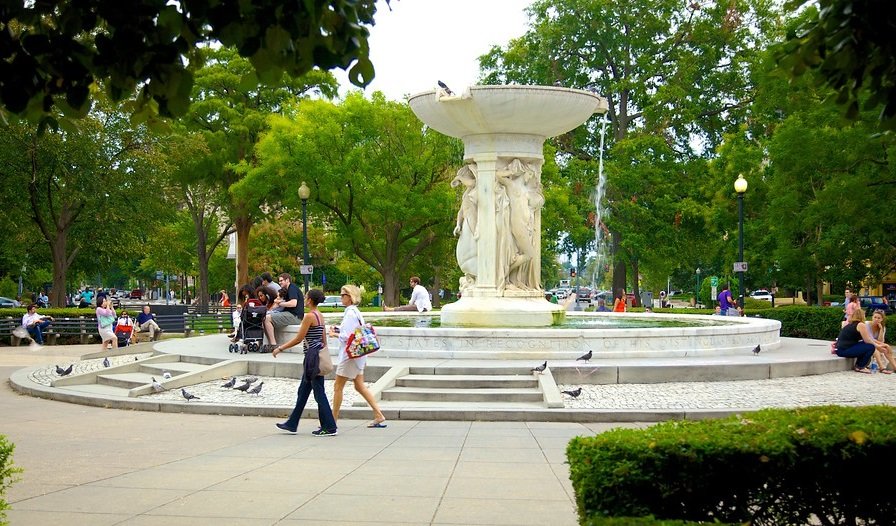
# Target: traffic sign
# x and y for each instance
(740, 266)
(714, 281)
(306, 270)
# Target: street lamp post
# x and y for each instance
(697, 289)
(740, 186)
(304, 194)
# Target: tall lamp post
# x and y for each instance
(740, 186)
(697, 289)
(304, 194)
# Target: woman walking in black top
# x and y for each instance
(312, 331)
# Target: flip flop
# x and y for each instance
(864, 370)
(377, 424)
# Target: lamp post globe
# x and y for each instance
(740, 186)
(304, 194)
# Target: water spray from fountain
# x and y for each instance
(600, 210)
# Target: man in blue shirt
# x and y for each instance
(726, 301)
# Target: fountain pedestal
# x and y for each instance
(503, 129)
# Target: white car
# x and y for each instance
(331, 301)
(761, 294)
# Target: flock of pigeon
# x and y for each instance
(245, 387)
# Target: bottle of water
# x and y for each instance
(873, 367)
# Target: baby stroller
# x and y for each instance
(251, 331)
(124, 333)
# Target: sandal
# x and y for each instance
(864, 370)
(886, 371)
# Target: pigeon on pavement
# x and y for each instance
(756, 349)
(446, 88)
(243, 387)
(157, 387)
(256, 389)
(60, 371)
(188, 396)
(64, 372)
(585, 357)
(106, 362)
(574, 393)
(230, 383)
(166, 375)
(540, 368)
(251, 379)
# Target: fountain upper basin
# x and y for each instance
(546, 111)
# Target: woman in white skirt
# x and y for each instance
(348, 368)
(105, 320)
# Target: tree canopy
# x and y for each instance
(54, 56)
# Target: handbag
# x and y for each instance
(362, 342)
(326, 361)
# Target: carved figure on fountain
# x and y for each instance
(520, 197)
(466, 226)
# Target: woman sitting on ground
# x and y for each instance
(877, 327)
(855, 341)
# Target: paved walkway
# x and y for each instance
(94, 466)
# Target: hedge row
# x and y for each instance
(769, 467)
(8, 474)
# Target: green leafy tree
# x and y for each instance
(54, 52)
(231, 116)
(376, 175)
(81, 192)
(675, 71)
(849, 46)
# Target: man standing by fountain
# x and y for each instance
(419, 298)
(726, 301)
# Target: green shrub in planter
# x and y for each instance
(770, 467)
(7, 474)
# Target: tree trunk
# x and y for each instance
(636, 288)
(436, 299)
(619, 269)
(243, 226)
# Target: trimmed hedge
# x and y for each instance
(770, 467)
(7, 475)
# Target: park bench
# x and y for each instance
(202, 323)
(80, 327)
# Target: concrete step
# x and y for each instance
(472, 410)
(433, 394)
(467, 382)
(99, 390)
(473, 370)
(125, 380)
(175, 368)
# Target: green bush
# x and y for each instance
(8, 474)
(768, 467)
(818, 323)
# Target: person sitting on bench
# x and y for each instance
(36, 324)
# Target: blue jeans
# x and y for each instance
(324, 413)
(861, 351)
(36, 331)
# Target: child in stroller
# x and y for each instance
(124, 329)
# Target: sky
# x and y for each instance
(418, 42)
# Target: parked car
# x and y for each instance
(331, 301)
(7, 302)
(872, 303)
(761, 294)
(136, 294)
